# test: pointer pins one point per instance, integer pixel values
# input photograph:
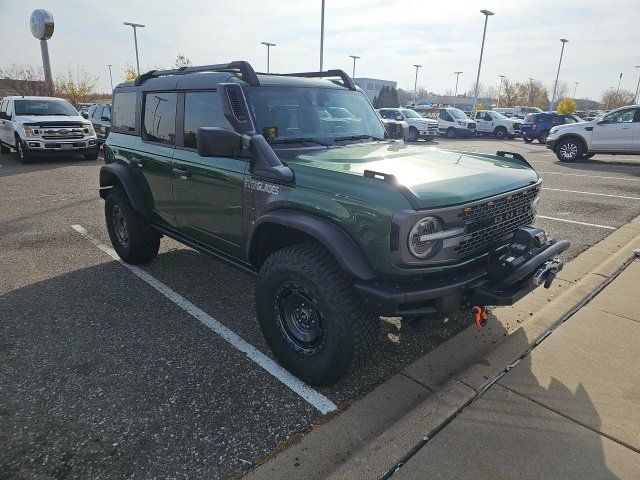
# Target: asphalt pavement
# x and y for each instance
(108, 372)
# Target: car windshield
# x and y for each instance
(499, 116)
(410, 113)
(44, 107)
(456, 113)
(321, 114)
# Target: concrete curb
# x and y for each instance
(470, 371)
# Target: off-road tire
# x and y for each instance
(451, 133)
(143, 241)
(527, 139)
(569, 150)
(4, 148)
(23, 153)
(350, 330)
(500, 133)
(542, 138)
(413, 135)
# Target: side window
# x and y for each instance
(107, 112)
(91, 110)
(3, 104)
(444, 115)
(202, 109)
(622, 116)
(570, 119)
(159, 123)
(557, 119)
(124, 111)
(97, 112)
(9, 107)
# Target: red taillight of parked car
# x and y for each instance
(534, 126)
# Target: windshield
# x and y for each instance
(410, 113)
(44, 107)
(499, 115)
(456, 113)
(323, 114)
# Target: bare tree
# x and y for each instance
(612, 99)
(76, 90)
(509, 94)
(183, 61)
(129, 73)
(25, 80)
(532, 93)
(562, 89)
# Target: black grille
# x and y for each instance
(489, 222)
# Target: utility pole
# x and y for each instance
(268, 45)
(135, 40)
(486, 14)
(355, 57)
(574, 89)
(637, 89)
(321, 35)
(555, 85)
(415, 85)
(110, 77)
(619, 81)
(499, 90)
(530, 91)
(455, 95)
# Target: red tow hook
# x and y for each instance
(480, 315)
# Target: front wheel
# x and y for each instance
(451, 133)
(527, 139)
(131, 234)
(500, 133)
(569, 150)
(311, 316)
(23, 152)
(414, 135)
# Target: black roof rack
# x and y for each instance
(243, 68)
(346, 79)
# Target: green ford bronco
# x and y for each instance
(294, 179)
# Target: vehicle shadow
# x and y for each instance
(11, 164)
(595, 165)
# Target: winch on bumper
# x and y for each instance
(509, 273)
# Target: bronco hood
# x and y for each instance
(432, 176)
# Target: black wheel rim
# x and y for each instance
(120, 226)
(299, 319)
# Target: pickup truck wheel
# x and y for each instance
(500, 133)
(310, 315)
(414, 135)
(131, 234)
(569, 150)
(23, 152)
(527, 139)
(451, 132)
(542, 138)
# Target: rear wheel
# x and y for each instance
(500, 133)
(414, 135)
(451, 132)
(527, 139)
(569, 150)
(311, 316)
(131, 234)
(23, 152)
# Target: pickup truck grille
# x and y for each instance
(489, 222)
(61, 133)
(432, 128)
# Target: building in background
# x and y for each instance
(371, 86)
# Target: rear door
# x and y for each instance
(207, 191)
(615, 132)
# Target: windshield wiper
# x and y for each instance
(299, 140)
(357, 137)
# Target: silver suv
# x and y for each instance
(44, 126)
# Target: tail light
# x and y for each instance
(534, 126)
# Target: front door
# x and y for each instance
(207, 191)
(484, 122)
(615, 131)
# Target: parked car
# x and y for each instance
(395, 128)
(453, 122)
(419, 127)
(44, 126)
(100, 117)
(338, 224)
(617, 132)
(493, 123)
(83, 108)
(538, 125)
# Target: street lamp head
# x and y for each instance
(268, 44)
(502, 76)
(487, 12)
(417, 66)
(564, 40)
(134, 25)
(458, 73)
(355, 57)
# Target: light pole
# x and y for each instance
(455, 95)
(321, 35)
(110, 76)
(575, 88)
(415, 85)
(619, 80)
(355, 57)
(269, 45)
(42, 26)
(486, 14)
(530, 91)
(637, 88)
(499, 90)
(135, 40)
(555, 85)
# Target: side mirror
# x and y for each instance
(218, 142)
(84, 115)
(399, 117)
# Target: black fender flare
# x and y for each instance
(115, 172)
(334, 239)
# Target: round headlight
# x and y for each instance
(419, 244)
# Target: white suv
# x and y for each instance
(496, 124)
(617, 132)
(419, 127)
(44, 126)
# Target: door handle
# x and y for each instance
(182, 173)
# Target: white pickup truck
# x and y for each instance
(419, 127)
(494, 123)
(44, 126)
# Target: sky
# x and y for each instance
(523, 38)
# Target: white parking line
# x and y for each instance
(316, 399)
(591, 193)
(575, 221)
(591, 176)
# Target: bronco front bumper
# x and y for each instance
(452, 292)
